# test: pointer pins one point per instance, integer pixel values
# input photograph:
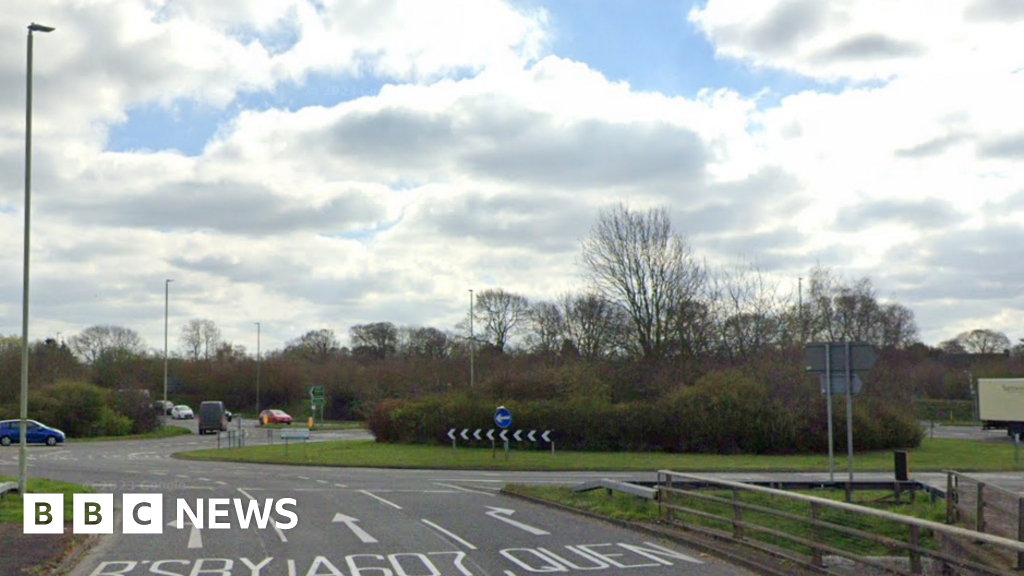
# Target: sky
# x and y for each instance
(311, 164)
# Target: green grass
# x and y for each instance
(937, 454)
(11, 504)
(630, 508)
(163, 432)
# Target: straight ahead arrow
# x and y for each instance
(351, 523)
(490, 434)
(477, 434)
(195, 538)
(504, 514)
(532, 436)
(463, 434)
(518, 435)
(504, 435)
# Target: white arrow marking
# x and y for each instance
(451, 434)
(532, 436)
(464, 437)
(518, 435)
(195, 539)
(351, 523)
(544, 436)
(477, 434)
(504, 514)
(490, 434)
(504, 435)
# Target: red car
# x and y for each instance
(275, 417)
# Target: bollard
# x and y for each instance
(1016, 448)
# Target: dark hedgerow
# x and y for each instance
(725, 412)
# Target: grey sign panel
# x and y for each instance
(862, 357)
(839, 385)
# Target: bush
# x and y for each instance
(725, 412)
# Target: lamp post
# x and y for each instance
(23, 425)
(472, 339)
(257, 369)
(167, 292)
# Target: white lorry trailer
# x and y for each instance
(1001, 404)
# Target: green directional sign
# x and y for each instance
(317, 392)
(318, 401)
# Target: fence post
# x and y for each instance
(979, 523)
(1020, 531)
(949, 497)
(915, 555)
(816, 557)
(737, 515)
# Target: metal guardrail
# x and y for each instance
(6, 487)
(672, 503)
(617, 486)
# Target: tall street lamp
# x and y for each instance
(23, 425)
(472, 339)
(257, 369)
(167, 293)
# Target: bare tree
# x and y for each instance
(200, 338)
(379, 339)
(636, 260)
(983, 341)
(427, 343)
(546, 328)
(593, 324)
(318, 345)
(95, 341)
(501, 313)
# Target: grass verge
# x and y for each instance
(630, 508)
(162, 432)
(11, 504)
(933, 454)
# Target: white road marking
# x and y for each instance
(504, 514)
(461, 489)
(219, 482)
(341, 486)
(375, 497)
(349, 521)
(303, 478)
(322, 481)
(280, 533)
(443, 531)
(247, 495)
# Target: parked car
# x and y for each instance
(213, 417)
(182, 412)
(163, 406)
(35, 433)
(275, 417)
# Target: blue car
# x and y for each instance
(36, 433)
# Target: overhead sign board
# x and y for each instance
(862, 357)
(502, 417)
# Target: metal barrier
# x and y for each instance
(978, 505)
(686, 496)
(6, 487)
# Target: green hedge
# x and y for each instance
(83, 410)
(725, 412)
(944, 410)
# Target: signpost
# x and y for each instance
(838, 362)
(316, 398)
(502, 419)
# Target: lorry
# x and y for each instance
(1001, 404)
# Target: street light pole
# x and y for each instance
(472, 339)
(23, 425)
(167, 293)
(257, 369)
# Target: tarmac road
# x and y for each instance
(358, 522)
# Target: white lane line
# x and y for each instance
(247, 495)
(461, 489)
(205, 479)
(375, 497)
(181, 476)
(443, 531)
(303, 478)
(322, 481)
(280, 533)
(219, 482)
(341, 486)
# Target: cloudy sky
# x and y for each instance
(322, 163)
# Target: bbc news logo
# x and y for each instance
(144, 513)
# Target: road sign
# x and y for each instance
(316, 392)
(862, 356)
(502, 417)
(839, 384)
(318, 401)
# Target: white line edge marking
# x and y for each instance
(443, 531)
(280, 533)
(375, 497)
(341, 486)
(461, 489)
(247, 495)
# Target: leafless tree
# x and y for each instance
(593, 324)
(501, 313)
(753, 311)
(200, 338)
(94, 341)
(983, 341)
(426, 342)
(379, 339)
(636, 260)
(318, 345)
(546, 328)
